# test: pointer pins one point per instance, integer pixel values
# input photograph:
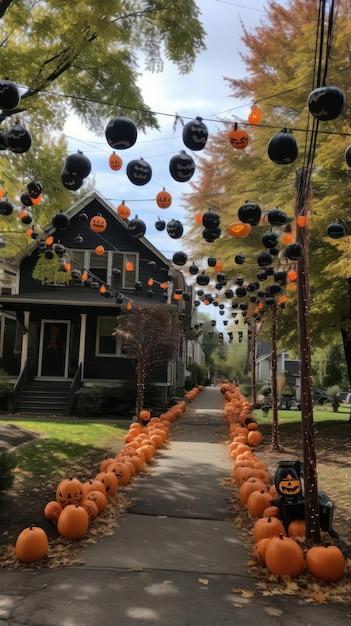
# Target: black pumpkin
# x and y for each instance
(229, 293)
(3, 140)
(202, 279)
(27, 218)
(175, 229)
(210, 234)
(264, 259)
(210, 219)
(277, 217)
(293, 251)
(34, 189)
(60, 221)
(193, 269)
(336, 230)
(211, 261)
(71, 182)
(9, 95)
(348, 156)
(249, 213)
(139, 172)
(274, 288)
(283, 148)
(179, 258)
(195, 134)
(239, 259)
(18, 139)
(269, 300)
(326, 103)
(6, 207)
(240, 292)
(160, 225)
(78, 165)
(182, 167)
(121, 133)
(280, 277)
(136, 227)
(270, 239)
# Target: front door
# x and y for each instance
(53, 349)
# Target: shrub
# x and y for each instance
(198, 375)
(5, 388)
(104, 400)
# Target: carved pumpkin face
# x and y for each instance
(98, 224)
(195, 134)
(238, 138)
(163, 199)
(115, 162)
(182, 167)
(174, 229)
(123, 211)
(139, 172)
(121, 133)
(287, 480)
(239, 229)
(70, 491)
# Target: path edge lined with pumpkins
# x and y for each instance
(279, 553)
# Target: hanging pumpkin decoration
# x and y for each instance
(31, 544)
(123, 211)
(6, 207)
(277, 217)
(163, 199)
(179, 258)
(302, 221)
(348, 156)
(239, 229)
(160, 225)
(60, 221)
(238, 137)
(18, 139)
(115, 162)
(195, 134)
(98, 223)
(178, 294)
(249, 213)
(9, 95)
(283, 148)
(100, 250)
(255, 114)
(26, 200)
(293, 251)
(72, 183)
(270, 239)
(175, 229)
(129, 266)
(136, 227)
(139, 172)
(239, 259)
(34, 189)
(193, 269)
(326, 103)
(78, 165)
(121, 133)
(198, 218)
(336, 230)
(182, 167)
(202, 279)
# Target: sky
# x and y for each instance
(203, 93)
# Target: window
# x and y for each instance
(106, 344)
(109, 268)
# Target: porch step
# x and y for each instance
(44, 398)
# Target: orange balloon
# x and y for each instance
(239, 229)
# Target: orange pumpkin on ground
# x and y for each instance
(268, 527)
(52, 510)
(31, 544)
(73, 522)
(325, 563)
(284, 557)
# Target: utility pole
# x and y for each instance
(302, 205)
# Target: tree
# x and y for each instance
(150, 336)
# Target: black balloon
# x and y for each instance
(195, 134)
(78, 165)
(336, 230)
(326, 103)
(283, 148)
(182, 167)
(249, 213)
(121, 133)
(9, 95)
(175, 229)
(18, 139)
(139, 172)
(136, 227)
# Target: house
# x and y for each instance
(263, 363)
(64, 319)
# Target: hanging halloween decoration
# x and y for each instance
(239, 259)
(255, 114)
(210, 234)
(264, 259)
(249, 213)
(123, 211)
(195, 134)
(34, 190)
(98, 223)
(77, 165)
(326, 103)
(139, 172)
(115, 162)
(239, 229)
(282, 148)
(72, 183)
(60, 221)
(100, 250)
(136, 227)
(348, 156)
(163, 199)
(25, 199)
(238, 137)
(18, 139)
(174, 229)
(293, 251)
(160, 224)
(210, 219)
(182, 167)
(277, 217)
(9, 95)
(193, 269)
(6, 207)
(202, 279)
(336, 230)
(179, 258)
(270, 239)
(211, 261)
(3, 140)
(121, 133)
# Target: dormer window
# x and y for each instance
(111, 268)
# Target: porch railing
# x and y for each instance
(75, 384)
(25, 375)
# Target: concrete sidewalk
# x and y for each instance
(176, 558)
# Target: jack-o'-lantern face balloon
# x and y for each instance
(195, 134)
(98, 223)
(238, 138)
(115, 162)
(164, 199)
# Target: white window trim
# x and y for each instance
(118, 353)
(110, 253)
